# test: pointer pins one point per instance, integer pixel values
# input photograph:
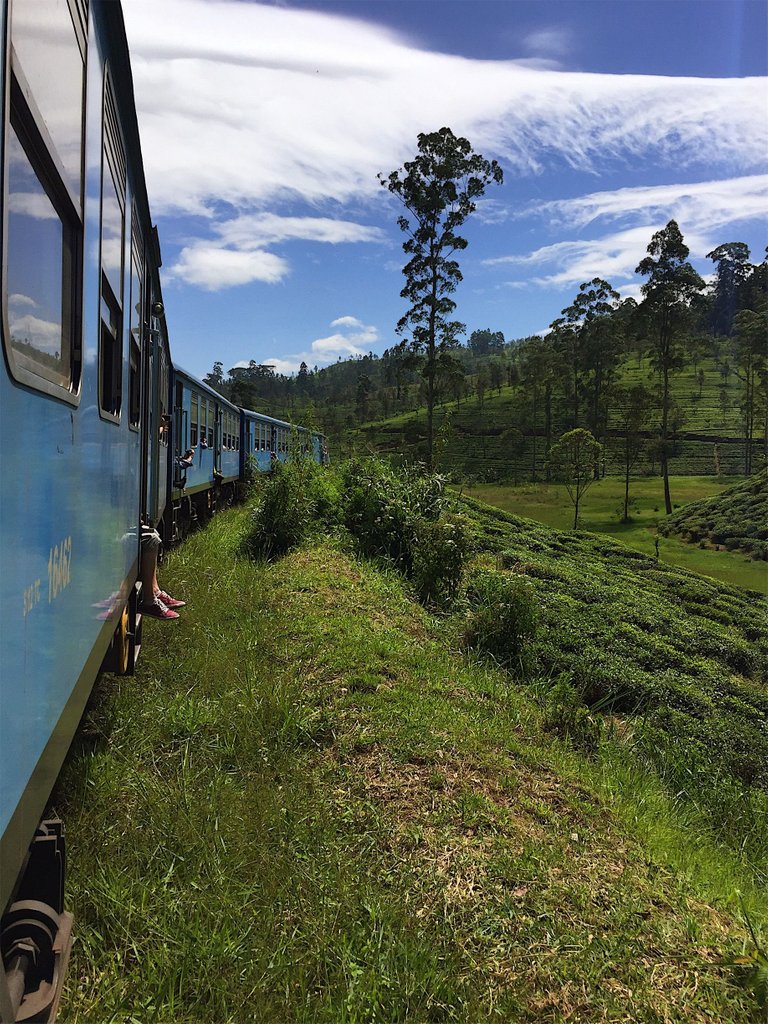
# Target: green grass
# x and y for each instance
(309, 805)
(550, 504)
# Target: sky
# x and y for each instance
(264, 127)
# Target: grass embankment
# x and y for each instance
(308, 805)
(601, 511)
(736, 520)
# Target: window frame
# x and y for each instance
(134, 379)
(24, 118)
(194, 418)
(112, 136)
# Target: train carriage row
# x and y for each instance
(100, 432)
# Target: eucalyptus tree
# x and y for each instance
(439, 189)
(585, 336)
(733, 267)
(668, 293)
(632, 407)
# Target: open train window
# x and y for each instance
(136, 327)
(113, 174)
(44, 195)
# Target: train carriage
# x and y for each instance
(206, 451)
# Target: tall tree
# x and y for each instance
(537, 376)
(667, 294)
(588, 338)
(439, 189)
(481, 343)
(732, 262)
(632, 407)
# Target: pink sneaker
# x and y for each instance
(168, 601)
(158, 610)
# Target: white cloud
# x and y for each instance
(551, 42)
(21, 300)
(32, 204)
(346, 321)
(357, 341)
(237, 254)
(713, 203)
(212, 267)
(286, 103)
(256, 231)
(43, 335)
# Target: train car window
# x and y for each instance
(162, 383)
(113, 174)
(193, 420)
(44, 200)
(136, 308)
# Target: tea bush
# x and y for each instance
(503, 619)
(405, 516)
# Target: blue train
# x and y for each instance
(100, 432)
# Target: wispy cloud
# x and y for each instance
(714, 203)
(287, 103)
(704, 209)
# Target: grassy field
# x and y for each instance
(550, 504)
(313, 804)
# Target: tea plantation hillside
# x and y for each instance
(495, 438)
(737, 519)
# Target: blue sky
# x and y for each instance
(264, 126)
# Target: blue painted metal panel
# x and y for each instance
(69, 511)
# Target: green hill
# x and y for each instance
(737, 519)
(494, 439)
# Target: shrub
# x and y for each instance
(569, 718)
(296, 497)
(439, 554)
(504, 617)
(403, 515)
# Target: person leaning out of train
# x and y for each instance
(161, 605)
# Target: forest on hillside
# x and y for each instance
(604, 365)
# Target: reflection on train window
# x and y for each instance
(134, 367)
(49, 43)
(112, 243)
(44, 194)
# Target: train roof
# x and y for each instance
(203, 386)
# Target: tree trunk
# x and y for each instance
(665, 425)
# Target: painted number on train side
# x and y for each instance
(31, 597)
(59, 563)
